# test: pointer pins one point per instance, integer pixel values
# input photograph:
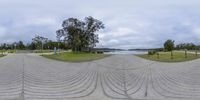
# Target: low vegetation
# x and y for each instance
(177, 56)
(7, 51)
(1, 55)
(76, 57)
(43, 51)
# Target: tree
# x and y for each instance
(169, 45)
(188, 46)
(39, 41)
(20, 45)
(32, 46)
(51, 44)
(6, 46)
(80, 35)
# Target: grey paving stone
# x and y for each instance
(119, 77)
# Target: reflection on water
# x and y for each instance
(126, 52)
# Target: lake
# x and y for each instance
(126, 52)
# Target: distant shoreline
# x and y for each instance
(114, 49)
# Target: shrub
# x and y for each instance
(151, 52)
(99, 52)
(11, 51)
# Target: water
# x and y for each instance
(126, 52)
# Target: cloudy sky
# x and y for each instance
(129, 23)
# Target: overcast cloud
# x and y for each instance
(129, 23)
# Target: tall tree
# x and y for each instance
(169, 45)
(39, 41)
(32, 46)
(20, 45)
(80, 35)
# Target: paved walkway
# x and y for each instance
(119, 77)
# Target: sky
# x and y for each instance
(128, 23)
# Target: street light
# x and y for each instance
(15, 46)
(42, 47)
(58, 47)
(43, 40)
(58, 39)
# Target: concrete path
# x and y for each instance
(119, 77)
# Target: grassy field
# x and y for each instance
(9, 51)
(76, 57)
(166, 56)
(47, 51)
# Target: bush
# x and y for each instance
(96, 52)
(151, 52)
(11, 51)
(99, 52)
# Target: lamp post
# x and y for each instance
(58, 39)
(43, 40)
(42, 47)
(58, 47)
(15, 45)
(196, 53)
(2, 50)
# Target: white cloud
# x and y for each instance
(129, 24)
(41, 21)
(2, 30)
(196, 32)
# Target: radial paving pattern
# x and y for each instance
(119, 77)
(11, 77)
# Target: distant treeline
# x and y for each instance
(32, 46)
(188, 46)
(38, 42)
(181, 46)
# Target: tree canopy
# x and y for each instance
(39, 41)
(80, 35)
(188, 46)
(20, 45)
(169, 45)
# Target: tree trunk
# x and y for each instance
(172, 55)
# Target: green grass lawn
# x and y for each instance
(76, 57)
(47, 51)
(9, 51)
(166, 56)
